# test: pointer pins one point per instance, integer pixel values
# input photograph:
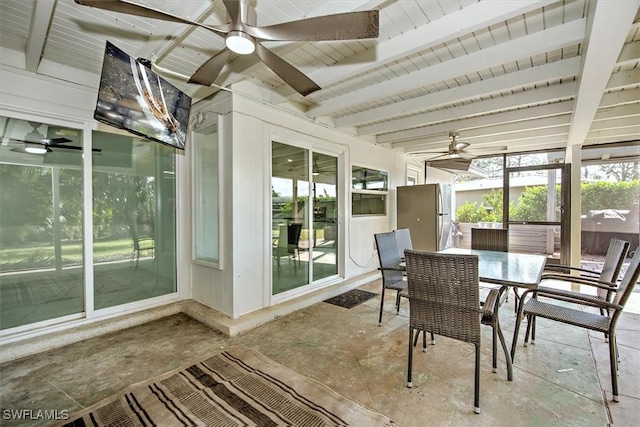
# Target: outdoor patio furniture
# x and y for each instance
(392, 272)
(616, 254)
(541, 304)
(444, 299)
(403, 239)
(288, 247)
(493, 239)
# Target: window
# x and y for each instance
(206, 168)
(369, 188)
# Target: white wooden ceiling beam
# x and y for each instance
(523, 47)
(411, 137)
(40, 22)
(629, 54)
(175, 32)
(607, 33)
(630, 96)
(527, 98)
(516, 80)
(618, 111)
(624, 79)
(493, 134)
(617, 123)
(535, 144)
(464, 21)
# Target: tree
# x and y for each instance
(622, 171)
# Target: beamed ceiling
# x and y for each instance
(526, 75)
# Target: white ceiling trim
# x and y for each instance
(471, 18)
(504, 131)
(412, 137)
(624, 79)
(516, 80)
(522, 47)
(40, 22)
(527, 98)
(607, 33)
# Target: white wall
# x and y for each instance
(246, 274)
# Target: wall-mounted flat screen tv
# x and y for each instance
(133, 98)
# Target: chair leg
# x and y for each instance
(381, 305)
(410, 360)
(613, 360)
(476, 388)
(528, 331)
(494, 347)
(533, 330)
(398, 302)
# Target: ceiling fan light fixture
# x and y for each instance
(240, 43)
(34, 149)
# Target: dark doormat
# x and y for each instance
(351, 298)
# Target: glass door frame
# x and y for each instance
(565, 204)
(312, 149)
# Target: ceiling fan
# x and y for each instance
(458, 150)
(243, 37)
(47, 145)
(456, 157)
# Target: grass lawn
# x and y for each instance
(43, 255)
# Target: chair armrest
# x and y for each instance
(569, 296)
(582, 280)
(562, 268)
(490, 303)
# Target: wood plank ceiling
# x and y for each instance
(526, 75)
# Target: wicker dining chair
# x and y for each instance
(392, 273)
(613, 262)
(403, 239)
(541, 304)
(493, 239)
(444, 299)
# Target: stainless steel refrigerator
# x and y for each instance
(426, 211)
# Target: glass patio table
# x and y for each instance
(506, 268)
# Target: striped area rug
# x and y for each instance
(236, 387)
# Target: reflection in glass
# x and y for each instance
(41, 251)
(206, 234)
(325, 216)
(290, 226)
(133, 220)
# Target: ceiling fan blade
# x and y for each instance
(439, 156)
(493, 149)
(71, 147)
(54, 141)
(209, 71)
(287, 72)
(454, 164)
(461, 146)
(233, 8)
(123, 6)
(343, 26)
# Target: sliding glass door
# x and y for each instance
(304, 231)
(325, 216)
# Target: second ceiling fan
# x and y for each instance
(243, 37)
(456, 157)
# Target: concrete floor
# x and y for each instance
(563, 380)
